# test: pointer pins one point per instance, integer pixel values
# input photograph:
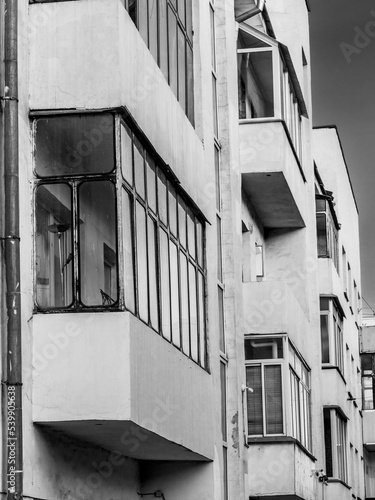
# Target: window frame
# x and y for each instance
(263, 363)
(195, 259)
(288, 103)
(338, 430)
(331, 231)
(335, 324)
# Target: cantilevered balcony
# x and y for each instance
(271, 107)
(108, 379)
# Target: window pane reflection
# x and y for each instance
(54, 257)
(75, 144)
(97, 248)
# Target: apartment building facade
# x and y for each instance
(186, 331)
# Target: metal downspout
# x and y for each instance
(12, 382)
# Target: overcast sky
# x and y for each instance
(343, 78)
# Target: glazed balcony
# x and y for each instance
(108, 379)
(271, 107)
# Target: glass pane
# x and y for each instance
(97, 243)
(75, 144)
(184, 304)
(321, 228)
(181, 69)
(142, 19)
(163, 38)
(247, 41)
(320, 205)
(265, 348)
(217, 179)
(191, 234)
(164, 284)
(153, 276)
(324, 337)
(181, 10)
(54, 257)
(324, 303)
(274, 400)
(255, 80)
(133, 10)
(259, 260)
(139, 169)
(182, 222)
(223, 387)
(328, 441)
(172, 50)
(162, 196)
(199, 228)
(219, 250)
(141, 238)
(175, 295)
(189, 19)
(220, 293)
(190, 83)
(193, 312)
(151, 184)
(128, 245)
(254, 400)
(153, 28)
(202, 333)
(213, 51)
(214, 106)
(126, 154)
(172, 210)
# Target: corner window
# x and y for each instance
(327, 230)
(335, 444)
(331, 334)
(267, 83)
(86, 196)
(368, 377)
(166, 27)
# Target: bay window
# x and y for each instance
(268, 87)
(114, 230)
(331, 333)
(327, 229)
(166, 27)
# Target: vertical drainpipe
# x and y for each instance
(12, 373)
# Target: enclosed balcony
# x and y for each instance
(271, 107)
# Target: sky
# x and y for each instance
(343, 85)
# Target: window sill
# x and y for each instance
(333, 480)
(280, 440)
(332, 367)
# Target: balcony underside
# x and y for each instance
(273, 199)
(272, 176)
(124, 438)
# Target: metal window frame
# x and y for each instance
(120, 184)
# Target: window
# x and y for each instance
(368, 376)
(300, 396)
(166, 27)
(331, 334)
(259, 260)
(327, 230)
(157, 270)
(264, 357)
(267, 83)
(335, 444)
